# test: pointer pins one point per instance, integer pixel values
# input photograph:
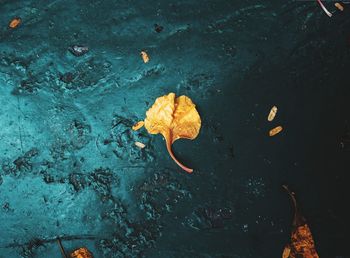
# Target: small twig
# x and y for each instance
(61, 247)
(291, 194)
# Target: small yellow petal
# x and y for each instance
(275, 130)
(144, 56)
(140, 145)
(272, 113)
(138, 125)
(81, 253)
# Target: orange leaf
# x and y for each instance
(174, 118)
(302, 243)
(81, 253)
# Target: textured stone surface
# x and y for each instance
(69, 166)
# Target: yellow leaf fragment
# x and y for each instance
(302, 242)
(15, 22)
(275, 131)
(140, 145)
(138, 125)
(144, 56)
(339, 6)
(82, 252)
(174, 118)
(272, 113)
(286, 252)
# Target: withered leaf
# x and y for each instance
(302, 243)
(174, 118)
(82, 252)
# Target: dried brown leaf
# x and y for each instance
(302, 243)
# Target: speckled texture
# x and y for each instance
(69, 166)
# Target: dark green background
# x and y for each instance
(69, 167)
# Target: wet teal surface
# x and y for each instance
(69, 167)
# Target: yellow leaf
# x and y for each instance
(174, 118)
(138, 125)
(81, 253)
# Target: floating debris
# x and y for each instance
(302, 243)
(144, 56)
(324, 8)
(15, 22)
(275, 130)
(82, 252)
(140, 145)
(174, 118)
(339, 6)
(138, 125)
(272, 113)
(158, 28)
(78, 50)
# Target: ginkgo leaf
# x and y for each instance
(302, 243)
(174, 118)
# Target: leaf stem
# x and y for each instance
(324, 8)
(168, 146)
(298, 218)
